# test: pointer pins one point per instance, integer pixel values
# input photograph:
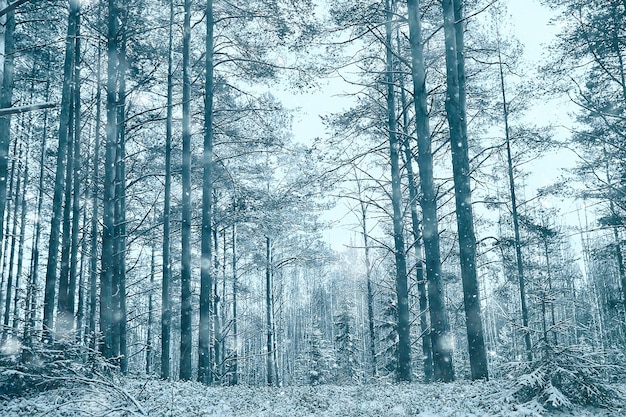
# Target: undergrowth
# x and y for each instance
(564, 377)
(37, 367)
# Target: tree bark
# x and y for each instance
(7, 220)
(81, 333)
(268, 313)
(618, 253)
(455, 110)
(20, 245)
(31, 296)
(427, 354)
(166, 313)
(95, 178)
(217, 331)
(150, 314)
(518, 244)
(107, 310)
(16, 207)
(235, 360)
(546, 253)
(223, 310)
(275, 313)
(185, 272)
(64, 122)
(7, 69)
(64, 323)
(76, 172)
(402, 292)
(5, 259)
(441, 339)
(206, 272)
(119, 296)
(368, 280)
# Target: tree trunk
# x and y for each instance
(16, 207)
(93, 249)
(3, 22)
(402, 292)
(546, 253)
(80, 309)
(275, 359)
(31, 296)
(107, 310)
(235, 360)
(4, 302)
(368, 279)
(223, 311)
(427, 354)
(185, 271)
(217, 331)
(7, 220)
(76, 172)
(7, 69)
(166, 313)
(167, 269)
(518, 244)
(615, 43)
(268, 312)
(441, 339)
(120, 205)
(20, 245)
(618, 254)
(64, 122)
(69, 245)
(150, 314)
(455, 109)
(206, 273)
(64, 317)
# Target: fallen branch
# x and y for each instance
(23, 109)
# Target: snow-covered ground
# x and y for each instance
(131, 397)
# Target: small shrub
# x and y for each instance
(567, 376)
(37, 368)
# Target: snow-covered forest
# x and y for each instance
(312, 207)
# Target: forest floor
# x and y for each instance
(135, 396)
